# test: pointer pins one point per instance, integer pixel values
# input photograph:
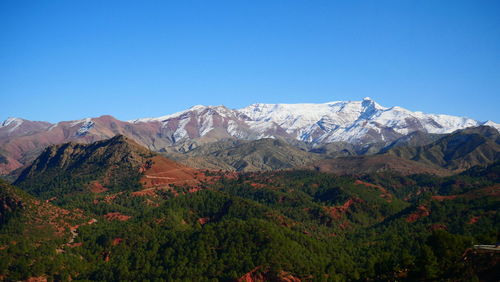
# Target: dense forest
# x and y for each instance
(270, 226)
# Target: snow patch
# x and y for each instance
(15, 122)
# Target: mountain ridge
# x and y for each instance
(361, 123)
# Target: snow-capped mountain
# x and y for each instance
(350, 121)
(357, 122)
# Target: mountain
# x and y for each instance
(414, 139)
(352, 121)
(359, 165)
(241, 155)
(363, 125)
(457, 151)
(114, 165)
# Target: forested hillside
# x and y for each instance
(278, 225)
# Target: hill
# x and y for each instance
(277, 225)
(358, 165)
(32, 232)
(113, 165)
(460, 150)
(238, 155)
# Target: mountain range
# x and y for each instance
(341, 128)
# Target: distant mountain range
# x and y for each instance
(335, 128)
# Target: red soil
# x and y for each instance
(474, 219)
(344, 224)
(442, 198)
(490, 191)
(338, 211)
(257, 185)
(116, 216)
(75, 245)
(164, 171)
(51, 199)
(203, 220)
(257, 275)
(37, 279)
(421, 211)
(116, 241)
(194, 189)
(145, 192)
(96, 187)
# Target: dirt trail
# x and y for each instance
(74, 233)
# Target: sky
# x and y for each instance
(67, 60)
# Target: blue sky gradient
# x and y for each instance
(65, 60)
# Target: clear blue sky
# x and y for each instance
(65, 60)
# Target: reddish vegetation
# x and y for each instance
(203, 220)
(116, 241)
(96, 187)
(117, 216)
(257, 275)
(421, 211)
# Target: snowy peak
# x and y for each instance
(17, 126)
(358, 122)
(12, 120)
(363, 121)
(492, 124)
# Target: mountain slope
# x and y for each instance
(457, 151)
(34, 234)
(358, 165)
(263, 154)
(115, 164)
(293, 224)
(357, 123)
